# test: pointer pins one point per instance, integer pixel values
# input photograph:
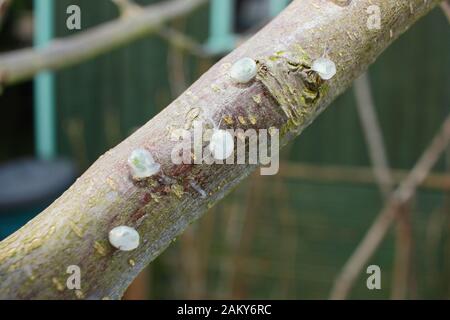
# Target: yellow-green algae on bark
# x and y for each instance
(74, 229)
(287, 75)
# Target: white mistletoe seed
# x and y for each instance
(221, 144)
(142, 164)
(325, 68)
(124, 238)
(200, 191)
(243, 70)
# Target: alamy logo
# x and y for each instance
(74, 280)
(230, 146)
(374, 280)
(73, 21)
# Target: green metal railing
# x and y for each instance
(222, 37)
(44, 84)
(276, 6)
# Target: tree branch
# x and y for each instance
(378, 155)
(4, 5)
(355, 175)
(285, 95)
(128, 9)
(23, 64)
(384, 220)
(373, 134)
(445, 6)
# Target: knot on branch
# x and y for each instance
(288, 77)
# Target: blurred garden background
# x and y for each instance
(281, 237)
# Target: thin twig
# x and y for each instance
(23, 64)
(402, 275)
(374, 137)
(354, 175)
(445, 6)
(377, 151)
(254, 200)
(288, 239)
(75, 228)
(128, 8)
(176, 71)
(4, 5)
(384, 220)
(183, 42)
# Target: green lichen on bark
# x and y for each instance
(287, 75)
(286, 95)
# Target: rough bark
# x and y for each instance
(74, 229)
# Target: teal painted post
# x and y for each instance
(221, 23)
(44, 84)
(276, 6)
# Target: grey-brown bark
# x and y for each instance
(74, 229)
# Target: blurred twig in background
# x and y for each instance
(288, 237)
(245, 236)
(176, 69)
(4, 5)
(172, 222)
(354, 175)
(183, 42)
(379, 229)
(446, 8)
(176, 39)
(127, 7)
(374, 137)
(403, 280)
(23, 64)
(379, 159)
(233, 222)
